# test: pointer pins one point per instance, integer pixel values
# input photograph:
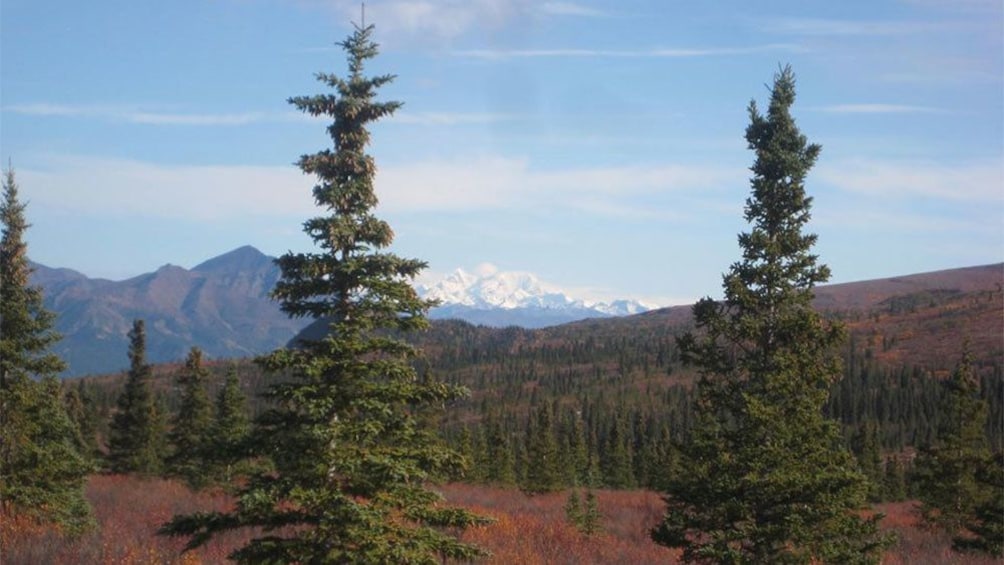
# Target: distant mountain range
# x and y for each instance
(223, 306)
(515, 299)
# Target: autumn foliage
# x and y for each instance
(528, 530)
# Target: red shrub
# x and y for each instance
(529, 530)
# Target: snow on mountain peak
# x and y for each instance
(489, 288)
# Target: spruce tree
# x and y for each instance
(501, 464)
(135, 437)
(766, 478)
(543, 473)
(865, 445)
(230, 429)
(984, 529)
(894, 485)
(350, 456)
(947, 471)
(591, 517)
(82, 417)
(41, 470)
(573, 509)
(191, 435)
(617, 466)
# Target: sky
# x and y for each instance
(598, 145)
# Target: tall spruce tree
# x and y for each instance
(947, 472)
(766, 478)
(136, 434)
(231, 429)
(191, 435)
(351, 458)
(543, 469)
(984, 529)
(41, 470)
(865, 445)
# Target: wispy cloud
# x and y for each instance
(629, 53)
(135, 116)
(448, 118)
(879, 109)
(837, 27)
(992, 6)
(433, 19)
(876, 219)
(976, 181)
(569, 9)
(103, 186)
(132, 115)
(119, 187)
(495, 182)
(448, 19)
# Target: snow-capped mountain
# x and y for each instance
(498, 298)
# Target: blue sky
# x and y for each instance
(596, 144)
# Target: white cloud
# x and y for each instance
(864, 219)
(115, 187)
(447, 19)
(879, 109)
(569, 9)
(992, 6)
(447, 118)
(101, 186)
(442, 19)
(499, 182)
(976, 181)
(134, 115)
(667, 53)
(836, 27)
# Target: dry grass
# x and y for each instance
(529, 530)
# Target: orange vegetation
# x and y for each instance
(528, 530)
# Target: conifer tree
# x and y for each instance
(765, 476)
(501, 464)
(41, 470)
(543, 474)
(230, 429)
(984, 529)
(350, 455)
(82, 417)
(591, 517)
(866, 449)
(135, 439)
(617, 462)
(578, 452)
(573, 509)
(947, 471)
(894, 482)
(191, 435)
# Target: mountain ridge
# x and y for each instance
(222, 305)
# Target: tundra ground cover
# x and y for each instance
(529, 530)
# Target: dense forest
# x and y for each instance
(620, 397)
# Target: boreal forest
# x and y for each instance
(788, 421)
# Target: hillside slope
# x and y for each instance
(221, 305)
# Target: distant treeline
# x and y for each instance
(571, 406)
